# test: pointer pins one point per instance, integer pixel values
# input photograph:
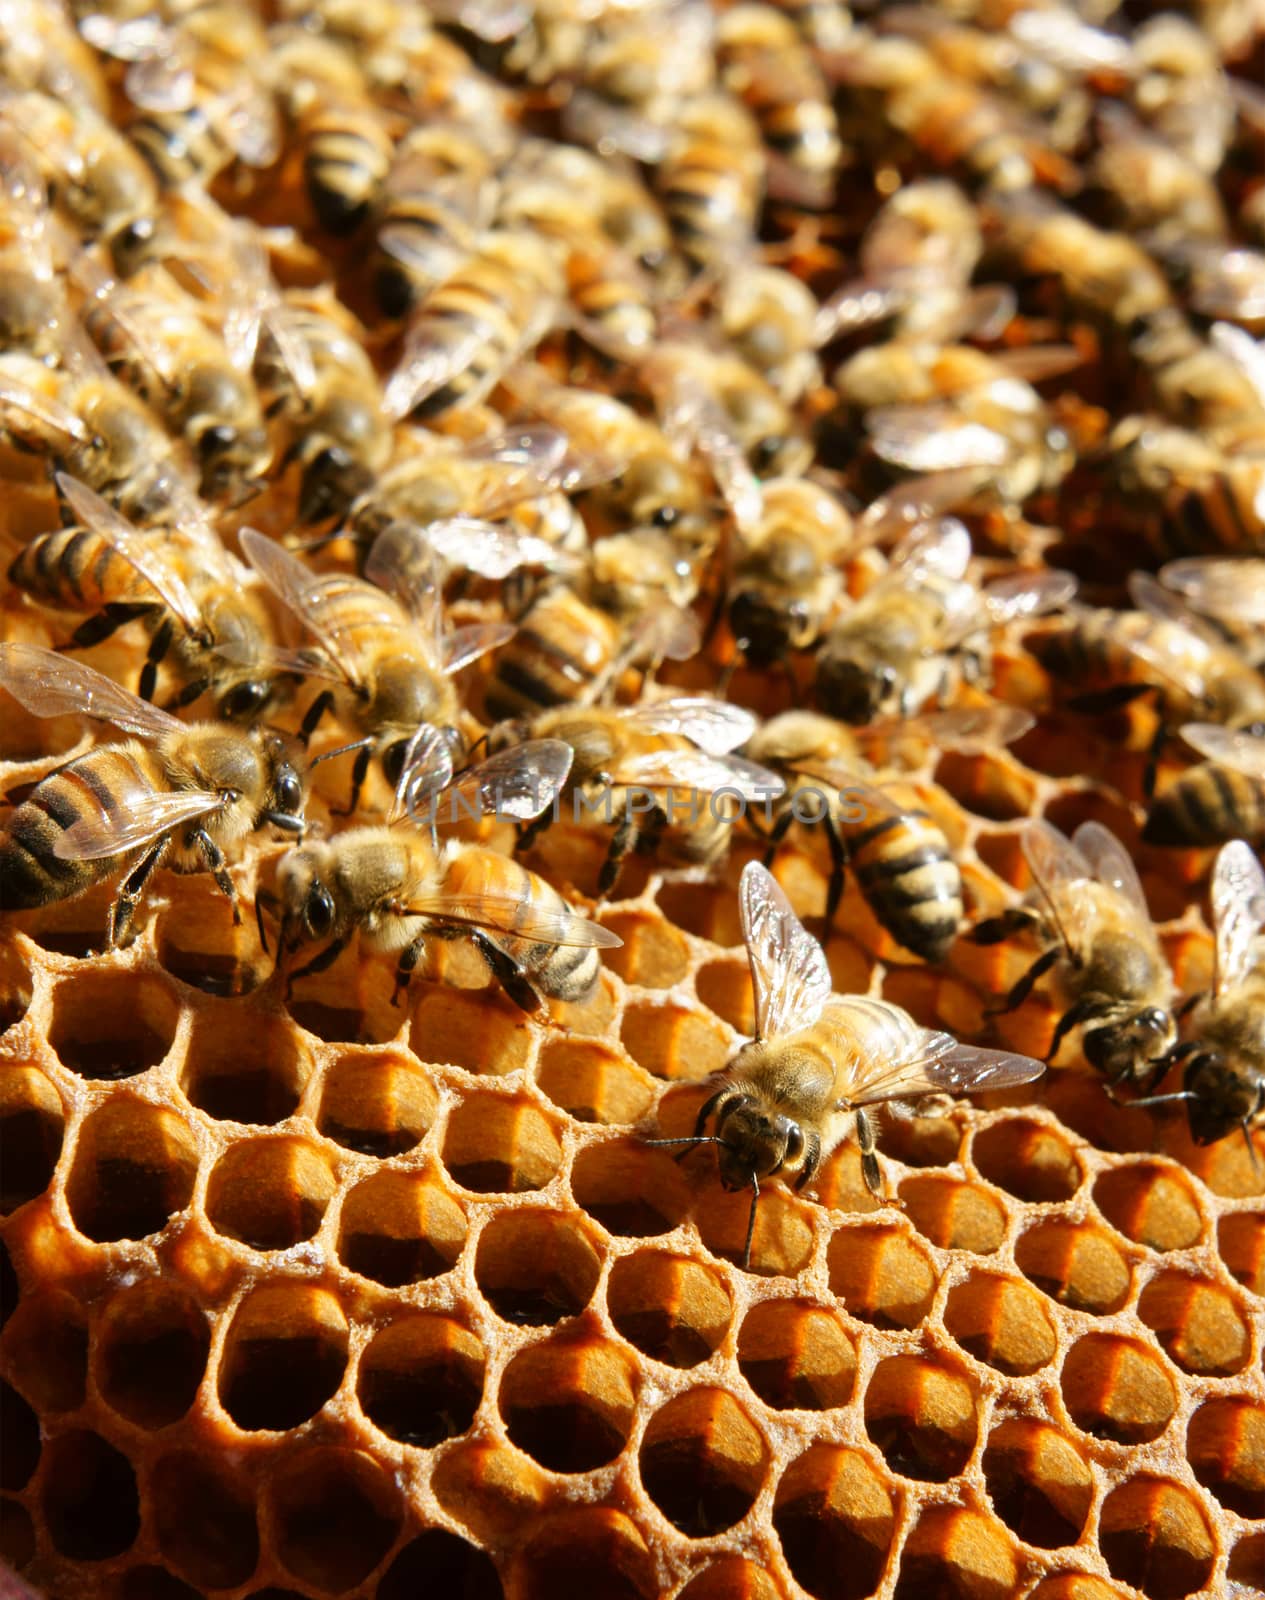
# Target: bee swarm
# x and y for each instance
(314, 1294)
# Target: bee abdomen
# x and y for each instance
(72, 568)
(906, 871)
(1209, 805)
(30, 873)
(346, 163)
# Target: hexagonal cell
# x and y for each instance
(1198, 1323)
(673, 1042)
(494, 1145)
(31, 1124)
(921, 1415)
(378, 1102)
(244, 1066)
(439, 1562)
(671, 1308)
(568, 1403)
(1154, 1535)
(1001, 1322)
(1040, 1486)
(576, 1554)
(783, 1239)
(702, 1462)
(197, 941)
(1225, 1445)
(44, 1350)
(630, 1189)
(730, 1578)
(351, 1003)
(797, 1356)
(112, 1025)
(1241, 1246)
(134, 1168)
(150, 1353)
(15, 988)
(954, 1215)
(17, 1534)
(654, 954)
(1027, 1159)
(399, 1228)
(1075, 1264)
(204, 1518)
(989, 786)
(724, 987)
(1117, 1389)
(19, 1439)
(88, 1497)
(421, 1379)
(283, 1357)
(334, 1514)
(920, 1141)
(881, 1275)
(834, 1516)
(154, 1583)
(483, 1033)
(1076, 1586)
(952, 1551)
(1152, 1203)
(1246, 1561)
(536, 1267)
(708, 910)
(593, 1082)
(270, 1193)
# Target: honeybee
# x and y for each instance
(1091, 916)
(384, 648)
(1229, 591)
(40, 49)
(1181, 90)
(469, 331)
(401, 891)
(188, 794)
(643, 768)
(1223, 1079)
(902, 642)
(818, 1060)
(1211, 386)
(34, 314)
(767, 315)
(711, 180)
(1151, 188)
(903, 864)
(763, 61)
(1221, 798)
(155, 336)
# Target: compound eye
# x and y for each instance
(289, 791)
(664, 517)
(220, 437)
(393, 761)
(319, 911)
(245, 699)
(794, 1143)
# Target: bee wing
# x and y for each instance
(1029, 594)
(488, 548)
(464, 645)
(162, 81)
(1061, 874)
(247, 119)
(520, 782)
(694, 769)
(854, 305)
(49, 685)
(44, 410)
(965, 726)
(402, 562)
(1247, 354)
(934, 438)
(295, 586)
(125, 39)
(1238, 749)
(115, 832)
(426, 365)
(1062, 38)
(981, 313)
(425, 772)
(943, 1067)
(1229, 283)
(493, 21)
(941, 549)
(789, 975)
(1222, 586)
(1238, 912)
(1111, 864)
(928, 495)
(690, 412)
(508, 914)
(281, 325)
(713, 725)
(139, 549)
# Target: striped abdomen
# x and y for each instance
(181, 146)
(1224, 515)
(561, 649)
(905, 868)
(117, 779)
(1208, 805)
(711, 192)
(346, 159)
(73, 569)
(482, 314)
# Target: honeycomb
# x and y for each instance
(310, 1294)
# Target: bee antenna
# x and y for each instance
(265, 900)
(690, 1138)
(1164, 1099)
(1251, 1148)
(343, 749)
(755, 1200)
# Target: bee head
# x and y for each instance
(753, 1143)
(1126, 1048)
(855, 690)
(303, 878)
(287, 782)
(765, 630)
(1219, 1097)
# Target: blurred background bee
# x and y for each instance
(819, 1061)
(182, 794)
(1090, 914)
(1219, 799)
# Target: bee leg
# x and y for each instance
(995, 930)
(622, 841)
(405, 965)
(106, 622)
(869, 1158)
(359, 772)
(158, 648)
(1024, 987)
(838, 869)
(773, 838)
(711, 1104)
(188, 694)
(1151, 771)
(312, 717)
(129, 895)
(531, 831)
(214, 858)
(1080, 1012)
(507, 973)
(812, 1160)
(321, 961)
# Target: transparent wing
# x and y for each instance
(284, 330)
(1064, 39)
(1247, 354)
(139, 549)
(113, 833)
(1062, 876)
(942, 1066)
(1111, 863)
(854, 305)
(965, 726)
(44, 410)
(1219, 585)
(50, 685)
(518, 783)
(163, 81)
(465, 645)
(694, 769)
(928, 495)
(934, 438)
(427, 364)
(689, 411)
(402, 563)
(1029, 594)
(488, 548)
(507, 914)
(425, 772)
(713, 725)
(789, 974)
(941, 549)
(1242, 751)
(1238, 912)
(297, 588)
